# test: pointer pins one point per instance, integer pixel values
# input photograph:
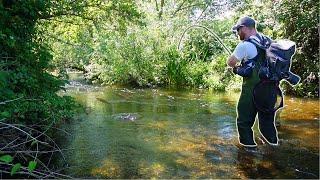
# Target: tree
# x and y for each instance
(28, 91)
(300, 20)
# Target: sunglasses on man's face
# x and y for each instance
(239, 29)
(236, 32)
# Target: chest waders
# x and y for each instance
(246, 110)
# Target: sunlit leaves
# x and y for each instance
(299, 20)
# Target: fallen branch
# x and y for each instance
(297, 170)
(27, 144)
(8, 101)
(40, 152)
(22, 131)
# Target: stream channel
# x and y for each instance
(169, 133)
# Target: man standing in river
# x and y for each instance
(246, 110)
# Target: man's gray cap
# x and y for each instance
(244, 21)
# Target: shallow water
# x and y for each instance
(162, 133)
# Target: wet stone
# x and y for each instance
(126, 116)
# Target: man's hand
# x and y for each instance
(234, 69)
(232, 61)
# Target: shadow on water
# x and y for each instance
(279, 162)
(161, 133)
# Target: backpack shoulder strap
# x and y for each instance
(260, 41)
(255, 40)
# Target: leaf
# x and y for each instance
(32, 165)
(15, 168)
(5, 114)
(6, 158)
(34, 142)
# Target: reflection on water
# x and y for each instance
(301, 109)
(161, 133)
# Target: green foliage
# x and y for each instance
(15, 169)
(175, 68)
(196, 72)
(24, 60)
(75, 39)
(299, 20)
(26, 56)
(264, 12)
(201, 47)
(32, 166)
(110, 49)
(219, 78)
(135, 43)
(28, 91)
(143, 56)
(6, 158)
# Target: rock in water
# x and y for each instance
(102, 100)
(126, 117)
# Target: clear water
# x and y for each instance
(163, 133)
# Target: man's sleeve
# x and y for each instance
(239, 52)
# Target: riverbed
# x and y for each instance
(182, 133)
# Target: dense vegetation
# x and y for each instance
(147, 53)
(29, 105)
(138, 43)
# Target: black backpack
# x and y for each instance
(276, 66)
(267, 95)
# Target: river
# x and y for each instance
(169, 133)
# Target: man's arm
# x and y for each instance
(232, 61)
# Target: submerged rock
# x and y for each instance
(126, 116)
(102, 100)
(80, 86)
